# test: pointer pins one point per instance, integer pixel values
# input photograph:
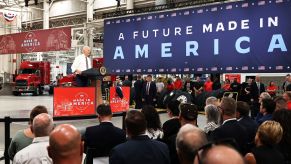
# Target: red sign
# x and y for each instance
(74, 101)
(118, 104)
(36, 41)
(231, 77)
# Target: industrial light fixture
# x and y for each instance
(118, 3)
(26, 3)
(35, 2)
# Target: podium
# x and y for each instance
(95, 75)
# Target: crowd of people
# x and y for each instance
(230, 135)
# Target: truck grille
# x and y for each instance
(21, 83)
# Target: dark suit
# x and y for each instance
(171, 127)
(138, 94)
(151, 95)
(255, 94)
(251, 127)
(231, 129)
(103, 138)
(140, 150)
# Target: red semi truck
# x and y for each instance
(32, 78)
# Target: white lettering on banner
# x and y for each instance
(192, 47)
(121, 36)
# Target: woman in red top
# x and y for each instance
(287, 97)
(208, 85)
(170, 85)
(272, 88)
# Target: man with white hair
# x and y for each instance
(82, 63)
(37, 151)
(189, 139)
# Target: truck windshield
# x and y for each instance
(27, 71)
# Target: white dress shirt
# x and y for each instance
(80, 63)
(36, 151)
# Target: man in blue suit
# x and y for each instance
(139, 149)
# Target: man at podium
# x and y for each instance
(82, 63)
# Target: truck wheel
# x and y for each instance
(15, 93)
(36, 91)
(51, 91)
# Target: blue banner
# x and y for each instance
(231, 37)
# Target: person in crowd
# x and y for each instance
(160, 85)
(139, 149)
(226, 85)
(287, 97)
(219, 154)
(198, 86)
(216, 84)
(245, 92)
(230, 127)
(256, 89)
(264, 95)
(102, 138)
(65, 145)
(284, 118)
(138, 92)
(208, 85)
(281, 103)
(211, 101)
(267, 136)
(189, 139)
(172, 126)
(127, 82)
(188, 86)
(80, 64)
(188, 114)
(272, 89)
(170, 85)
(149, 91)
(178, 84)
(266, 110)
(235, 86)
(286, 82)
(212, 118)
(245, 121)
(154, 127)
(37, 151)
(25, 137)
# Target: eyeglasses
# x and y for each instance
(203, 150)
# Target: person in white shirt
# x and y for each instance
(80, 64)
(37, 151)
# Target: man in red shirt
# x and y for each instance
(208, 85)
(178, 84)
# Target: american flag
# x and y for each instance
(186, 13)
(199, 69)
(279, 1)
(214, 69)
(161, 16)
(229, 68)
(214, 9)
(261, 67)
(186, 69)
(245, 5)
(128, 70)
(244, 68)
(138, 19)
(261, 3)
(174, 14)
(200, 11)
(108, 22)
(161, 70)
(173, 70)
(229, 7)
(150, 17)
(118, 70)
(279, 67)
(150, 70)
(118, 21)
(127, 20)
(138, 70)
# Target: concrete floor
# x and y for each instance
(20, 106)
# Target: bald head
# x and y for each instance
(221, 155)
(86, 50)
(65, 144)
(42, 125)
(189, 139)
